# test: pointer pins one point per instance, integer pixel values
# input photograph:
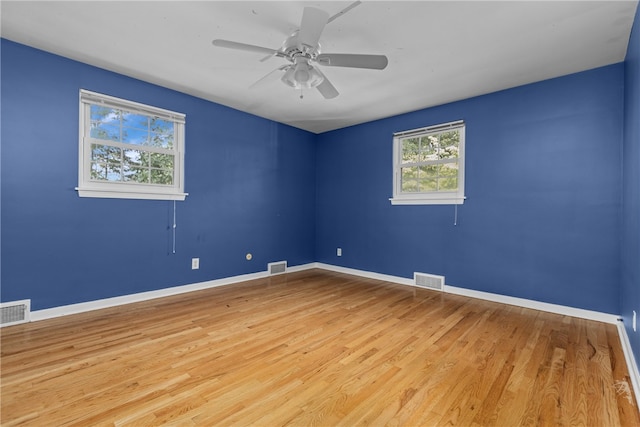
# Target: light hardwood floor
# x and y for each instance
(315, 348)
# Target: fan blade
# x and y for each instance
(313, 22)
(268, 76)
(243, 46)
(266, 58)
(343, 11)
(374, 62)
(326, 89)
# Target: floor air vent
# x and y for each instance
(13, 313)
(277, 267)
(429, 281)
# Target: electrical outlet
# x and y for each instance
(634, 320)
(195, 263)
(339, 251)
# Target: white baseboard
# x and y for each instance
(632, 366)
(536, 305)
(367, 274)
(520, 302)
(144, 296)
(66, 310)
(82, 307)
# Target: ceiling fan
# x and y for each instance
(302, 50)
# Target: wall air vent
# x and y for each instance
(277, 267)
(13, 313)
(428, 281)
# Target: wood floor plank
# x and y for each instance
(315, 348)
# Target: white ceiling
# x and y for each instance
(439, 51)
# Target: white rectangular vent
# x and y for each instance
(429, 281)
(277, 267)
(13, 313)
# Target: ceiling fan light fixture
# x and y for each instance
(302, 75)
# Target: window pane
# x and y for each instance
(410, 150)
(105, 153)
(108, 131)
(430, 171)
(135, 136)
(136, 158)
(101, 113)
(137, 175)
(161, 140)
(409, 173)
(410, 186)
(164, 161)
(409, 181)
(113, 172)
(99, 152)
(106, 162)
(449, 169)
(105, 123)
(161, 133)
(448, 184)
(428, 185)
(449, 144)
(161, 126)
(429, 147)
(135, 121)
(99, 171)
(161, 176)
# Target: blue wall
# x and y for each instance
(542, 218)
(630, 280)
(250, 181)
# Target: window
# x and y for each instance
(129, 150)
(428, 165)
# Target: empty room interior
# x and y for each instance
(407, 213)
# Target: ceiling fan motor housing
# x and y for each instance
(300, 74)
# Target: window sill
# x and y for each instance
(142, 195)
(458, 200)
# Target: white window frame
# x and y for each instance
(127, 190)
(431, 197)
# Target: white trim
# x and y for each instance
(536, 305)
(520, 302)
(90, 97)
(82, 307)
(367, 274)
(455, 200)
(430, 129)
(143, 195)
(301, 267)
(632, 367)
(143, 296)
